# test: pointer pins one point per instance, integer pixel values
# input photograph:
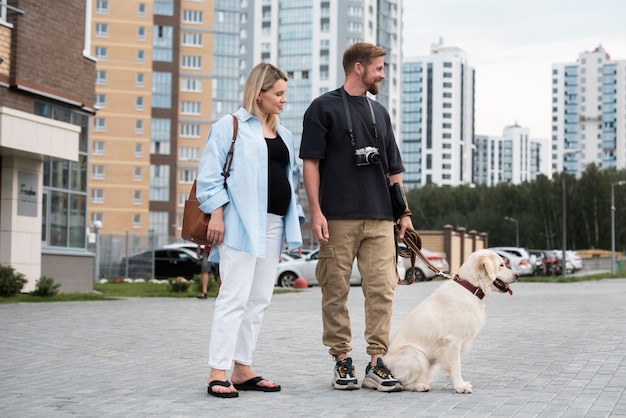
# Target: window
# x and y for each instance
(101, 101)
(138, 175)
(97, 148)
(102, 6)
(102, 30)
(191, 85)
(136, 220)
(140, 56)
(138, 126)
(139, 80)
(190, 108)
(190, 153)
(139, 103)
(138, 150)
(101, 53)
(192, 39)
(141, 33)
(97, 196)
(160, 136)
(162, 90)
(159, 183)
(137, 197)
(101, 77)
(192, 62)
(164, 7)
(99, 124)
(187, 176)
(141, 10)
(162, 41)
(97, 172)
(192, 16)
(189, 130)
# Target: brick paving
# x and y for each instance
(549, 350)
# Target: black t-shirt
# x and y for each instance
(348, 191)
(279, 191)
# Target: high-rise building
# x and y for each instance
(589, 113)
(512, 158)
(307, 40)
(166, 70)
(438, 118)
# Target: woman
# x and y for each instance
(250, 220)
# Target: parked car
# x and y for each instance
(168, 263)
(555, 257)
(422, 271)
(519, 260)
(541, 262)
(574, 258)
(290, 270)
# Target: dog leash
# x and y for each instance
(413, 243)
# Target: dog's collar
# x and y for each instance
(476, 291)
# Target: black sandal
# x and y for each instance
(202, 296)
(224, 383)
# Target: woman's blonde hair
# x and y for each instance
(262, 78)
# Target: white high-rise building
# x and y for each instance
(513, 157)
(438, 118)
(589, 113)
(307, 38)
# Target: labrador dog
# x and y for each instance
(440, 328)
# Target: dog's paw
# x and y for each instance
(421, 387)
(465, 387)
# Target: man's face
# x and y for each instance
(374, 74)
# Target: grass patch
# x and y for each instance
(143, 290)
(60, 297)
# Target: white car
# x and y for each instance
(422, 271)
(519, 260)
(574, 258)
(290, 270)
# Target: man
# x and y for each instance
(351, 211)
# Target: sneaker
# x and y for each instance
(344, 378)
(379, 377)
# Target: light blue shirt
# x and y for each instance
(245, 198)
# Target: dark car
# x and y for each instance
(168, 263)
(542, 262)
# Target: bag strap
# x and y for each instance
(231, 152)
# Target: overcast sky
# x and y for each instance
(512, 46)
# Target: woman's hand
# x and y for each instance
(215, 230)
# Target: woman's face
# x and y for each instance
(273, 100)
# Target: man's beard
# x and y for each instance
(371, 87)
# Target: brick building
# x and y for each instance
(47, 95)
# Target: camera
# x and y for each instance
(366, 156)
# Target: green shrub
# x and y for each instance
(46, 287)
(11, 282)
(178, 286)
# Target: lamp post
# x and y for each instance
(508, 218)
(563, 260)
(96, 227)
(619, 183)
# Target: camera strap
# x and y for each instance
(344, 97)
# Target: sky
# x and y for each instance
(512, 46)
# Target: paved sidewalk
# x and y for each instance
(549, 350)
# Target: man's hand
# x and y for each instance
(319, 226)
(404, 223)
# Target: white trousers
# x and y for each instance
(245, 294)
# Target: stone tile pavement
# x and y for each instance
(549, 350)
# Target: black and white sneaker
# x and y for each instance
(379, 377)
(344, 376)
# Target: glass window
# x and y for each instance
(162, 42)
(159, 183)
(141, 56)
(160, 136)
(162, 90)
(164, 7)
(192, 16)
(101, 101)
(102, 6)
(141, 9)
(138, 150)
(99, 124)
(139, 103)
(101, 77)
(102, 30)
(138, 174)
(137, 197)
(141, 33)
(191, 85)
(97, 172)
(192, 62)
(138, 126)
(101, 53)
(97, 148)
(139, 80)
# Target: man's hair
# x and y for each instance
(362, 52)
(261, 78)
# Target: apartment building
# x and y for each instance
(589, 113)
(438, 118)
(46, 100)
(166, 70)
(511, 158)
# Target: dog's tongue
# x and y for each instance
(502, 286)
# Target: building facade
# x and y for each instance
(589, 113)
(512, 158)
(46, 100)
(438, 118)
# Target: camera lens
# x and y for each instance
(374, 158)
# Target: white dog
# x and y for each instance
(440, 328)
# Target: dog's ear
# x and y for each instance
(490, 265)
